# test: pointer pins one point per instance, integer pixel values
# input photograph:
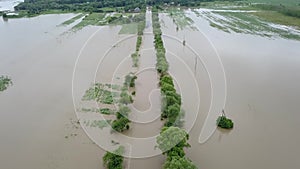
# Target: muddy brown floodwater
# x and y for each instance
(39, 127)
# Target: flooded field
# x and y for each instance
(262, 98)
(42, 125)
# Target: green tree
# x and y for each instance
(172, 137)
(224, 122)
(5, 82)
(176, 162)
(114, 160)
(121, 124)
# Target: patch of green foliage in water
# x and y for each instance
(5, 82)
(224, 122)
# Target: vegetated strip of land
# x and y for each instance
(135, 56)
(172, 139)
(107, 94)
(113, 160)
(124, 19)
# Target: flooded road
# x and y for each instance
(39, 126)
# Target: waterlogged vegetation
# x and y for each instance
(140, 29)
(172, 139)
(122, 96)
(97, 123)
(260, 18)
(106, 111)
(129, 29)
(102, 93)
(114, 160)
(180, 19)
(5, 82)
(224, 122)
(122, 122)
(95, 19)
(129, 21)
(161, 64)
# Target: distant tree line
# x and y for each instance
(39, 6)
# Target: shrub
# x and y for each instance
(4, 83)
(125, 98)
(115, 159)
(120, 124)
(224, 122)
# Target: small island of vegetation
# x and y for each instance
(224, 122)
(5, 82)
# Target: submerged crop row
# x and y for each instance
(172, 139)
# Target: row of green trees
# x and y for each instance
(162, 65)
(114, 160)
(135, 56)
(33, 7)
(122, 122)
(171, 102)
(172, 139)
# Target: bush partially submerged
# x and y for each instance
(224, 122)
(120, 124)
(4, 82)
(115, 159)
